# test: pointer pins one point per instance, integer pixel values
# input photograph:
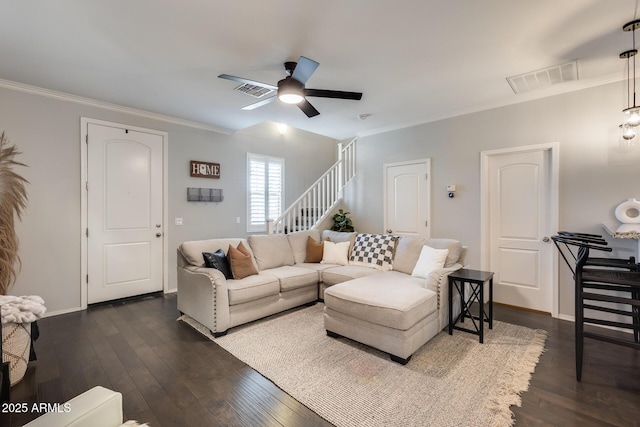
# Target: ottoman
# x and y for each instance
(390, 311)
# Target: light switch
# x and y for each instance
(178, 221)
(237, 220)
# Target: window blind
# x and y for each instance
(266, 190)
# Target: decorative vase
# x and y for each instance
(628, 213)
(16, 344)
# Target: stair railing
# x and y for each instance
(317, 202)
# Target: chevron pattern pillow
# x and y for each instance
(373, 250)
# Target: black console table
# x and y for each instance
(476, 280)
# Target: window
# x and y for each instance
(265, 196)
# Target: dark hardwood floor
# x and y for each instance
(170, 375)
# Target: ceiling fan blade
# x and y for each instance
(308, 109)
(304, 69)
(247, 81)
(322, 93)
(260, 103)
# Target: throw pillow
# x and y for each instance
(373, 250)
(314, 250)
(335, 253)
(219, 261)
(241, 262)
(430, 259)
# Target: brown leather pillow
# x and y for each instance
(314, 250)
(241, 262)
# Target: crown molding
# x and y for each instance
(515, 99)
(21, 87)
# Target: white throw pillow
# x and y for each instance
(430, 259)
(335, 253)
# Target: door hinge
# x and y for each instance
(87, 232)
(87, 278)
(86, 185)
(426, 223)
(426, 176)
(86, 139)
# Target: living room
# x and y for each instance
(596, 172)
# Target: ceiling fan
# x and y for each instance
(291, 89)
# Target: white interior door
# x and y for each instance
(124, 213)
(520, 223)
(407, 198)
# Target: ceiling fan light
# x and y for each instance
(290, 98)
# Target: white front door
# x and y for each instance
(407, 198)
(521, 212)
(124, 212)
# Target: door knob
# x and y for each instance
(158, 225)
(158, 234)
(545, 239)
(389, 230)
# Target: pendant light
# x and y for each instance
(627, 132)
(632, 111)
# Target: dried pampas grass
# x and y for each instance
(13, 202)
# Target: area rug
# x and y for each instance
(451, 381)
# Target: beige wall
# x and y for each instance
(47, 131)
(595, 173)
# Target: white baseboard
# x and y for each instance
(65, 311)
(572, 319)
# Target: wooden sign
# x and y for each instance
(205, 169)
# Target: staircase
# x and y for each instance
(319, 201)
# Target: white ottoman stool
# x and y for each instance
(392, 312)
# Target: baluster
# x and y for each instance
(315, 205)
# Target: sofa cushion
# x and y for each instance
(219, 261)
(373, 250)
(407, 252)
(454, 246)
(319, 268)
(430, 259)
(252, 288)
(335, 253)
(292, 277)
(390, 299)
(298, 243)
(271, 251)
(192, 250)
(342, 273)
(241, 262)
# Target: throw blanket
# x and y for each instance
(24, 309)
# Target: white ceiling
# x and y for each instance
(414, 60)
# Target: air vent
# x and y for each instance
(545, 77)
(253, 90)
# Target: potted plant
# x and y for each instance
(341, 222)
(17, 312)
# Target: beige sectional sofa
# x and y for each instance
(285, 281)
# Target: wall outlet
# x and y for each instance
(178, 221)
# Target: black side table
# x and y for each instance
(476, 280)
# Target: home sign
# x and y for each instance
(205, 169)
